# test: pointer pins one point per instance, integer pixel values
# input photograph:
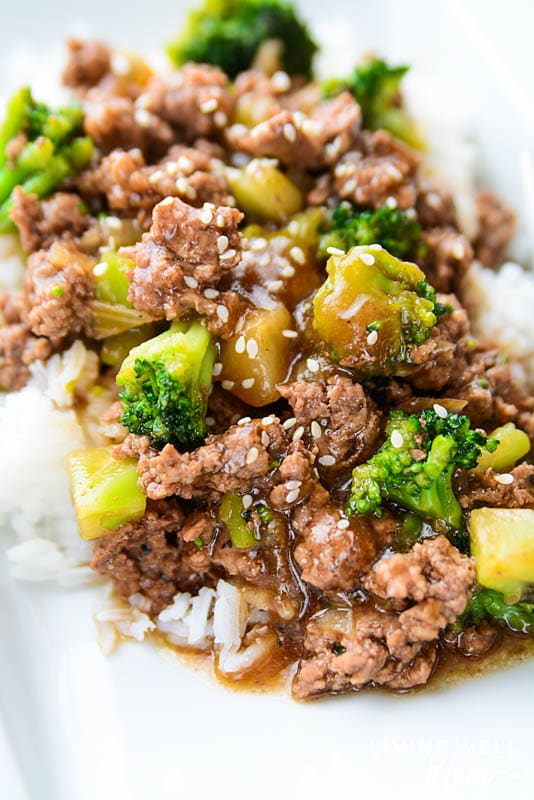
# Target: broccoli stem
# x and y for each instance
(17, 113)
(231, 514)
(489, 604)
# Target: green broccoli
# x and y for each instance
(373, 309)
(489, 604)
(229, 33)
(165, 383)
(39, 148)
(397, 231)
(377, 88)
(414, 467)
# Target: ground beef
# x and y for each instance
(331, 550)
(19, 349)
(434, 206)
(41, 222)
(434, 576)
(187, 251)
(225, 409)
(234, 461)
(477, 640)
(310, 142)
(195, 101)
(59, 283)
(496, 223)
(88, 62)
(484, 489)
(447, 258)
(347, 422)
(384, 168)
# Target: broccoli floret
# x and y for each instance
(489, 604)
(228, 34)
(39, 148)
(373, 309)
(377, 88)
(414, 467)
(397, 231)
(165, 383)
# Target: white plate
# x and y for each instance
(80, 726)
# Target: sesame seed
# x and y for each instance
(335, 251)
(120, 64)
(372, 338)
(375, 247)
(289, 423)
(458, 251)
(182, 185)
(217, 368)
(210, 422)
(211, 294)
(292, 496)
(297, 254)
(219, 222)
(313, 365)
(315, 429)
(299, 433)
(114, 223)
(343, 524)
(191, 282)
(441, 411)
(289, 132)
(292, 485)
(265, 439)
(185, 164)
(220, 119)
(227, 255)
(281, 81)
(100, 269)
(244, 420)
(267, 420)
(248, 383)
(172, 168)
(293, 227)
(227, 385)
(393, 172)
(252, 455)
(433, 200)
(246, 500)
(143, 117)
(252, 348)
(391, 202)
(222, 313)
(368, 259)
(209, 105)
(167, 202)
(274, 286)
(396, 439)
(240, 345)
(264, 260)
(155, 177)
(207, 216)
(222, 243)
(287, 272)
(349, 186)
(411, 213)
(504, 478)
(191, 192)
(310, 127)
(327, 461)
(289, 334)
(298, 119)
(259, 244)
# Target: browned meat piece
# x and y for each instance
(195, 101)
(18, 349)
(59, 283)
(115, 122)
(384, 169)
(340, 421)
(435, 207)
(332, 551)
(40, 222)
(448, 257)
(310, 142)
(352, 648)
(234, 461)
(485, 489)
(435, 576)
(88, 62)
(187, 251)
(477, 640)
(225, 409)
(496, 223)
(150, 557)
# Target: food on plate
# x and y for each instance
(254, 338)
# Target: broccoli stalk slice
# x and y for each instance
(414, 467)
(229, 33)
(165, 383)
(489, 604)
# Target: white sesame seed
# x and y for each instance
(289, 423)
(315, 429)
(393, 172)
(287, 272)
(291, 485)
(207, 216)
(504, 478)
(411, 213)
(220, 119)
(343, 524)
(185, 164)
(168, 201)
(368, 259)
(246, 500)
(217, 368)
(223, 313)
(458, 251)
(433, 200)
(372, 337)
(264, 260)
(222, 243)
(293, 227)
(227, 255)
(211, 294)
(182, 185)
(281, 81)
(298, 119)
(313, 365)
(248, 383)
(191, 192)
(297, 254)
(441, 411)
(210, 422)
(171, 168)
(252, 455)
(327, 461)
(219, 222)
(289, 334)
(244, 420)
(191, 282)
(391, 202)
(299, 433)
(120, 64)
(289, 132)
(292, 496)
(143, 117)
(310, 127)
(274, 286)
(240, 345)
(100, 269)
(258, 244)
(155, 177)
(227, 385)
(209, 105)
(252, 348)
(375, 247)
(349, 186)
(115, 223)
(396, 439)
(335, 251)
(267, 420)
(265, 439)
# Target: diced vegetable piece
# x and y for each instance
(513, 445)
(263, 192)
(105, 491)
(109, 320)
(257, 357)
(116, 348)
(231, 514)
(502, 542)
(111, 279)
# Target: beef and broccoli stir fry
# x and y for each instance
(274, 287)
